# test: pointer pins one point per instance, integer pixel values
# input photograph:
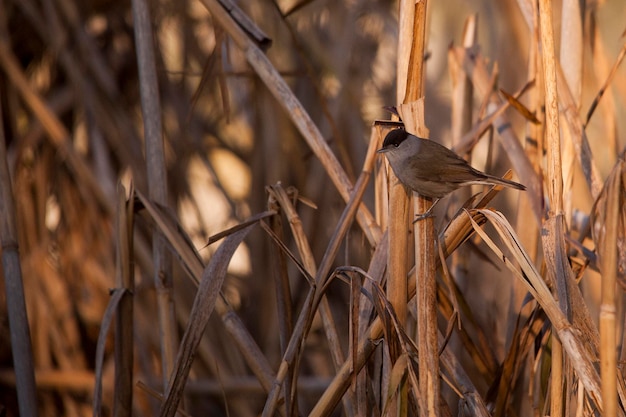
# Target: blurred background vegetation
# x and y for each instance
(226, 139)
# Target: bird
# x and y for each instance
(431, 169)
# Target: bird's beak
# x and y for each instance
(382, 150)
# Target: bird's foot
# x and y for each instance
(427, 214)
(424, 216)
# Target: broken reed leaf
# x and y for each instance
(388, 123)
(246, 24)
(517, 105)
(251, 220)
(293, 193)
(393, 110)
(307, 202)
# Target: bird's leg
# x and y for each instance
(427, 214)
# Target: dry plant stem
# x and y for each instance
(283, 294)
(281, 91)
(399, 217)
(412, 112)
(397, 262)
(425, 267)
(157, 181)
(558, 382)
(554, 227)
(315, 295)
(74, 381)
(399, 200)
(415, 74)
(123, 401)
(608, 308)
(16, 303)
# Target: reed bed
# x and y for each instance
(195, 220)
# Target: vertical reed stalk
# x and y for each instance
(553, 238)
(399, 209)
(124, 320)
(14, 286)
(608, 306)
(157, 181)
(412, 111)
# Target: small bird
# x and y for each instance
(430, 169)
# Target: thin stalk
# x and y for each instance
(124, 321)
(608, 306)
(283, 295)
(14, 286)
(157, 181)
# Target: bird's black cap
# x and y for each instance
(393, 139)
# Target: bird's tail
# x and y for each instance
(504, 182)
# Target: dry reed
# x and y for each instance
(195, 236)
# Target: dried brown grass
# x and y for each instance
(182, 248)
